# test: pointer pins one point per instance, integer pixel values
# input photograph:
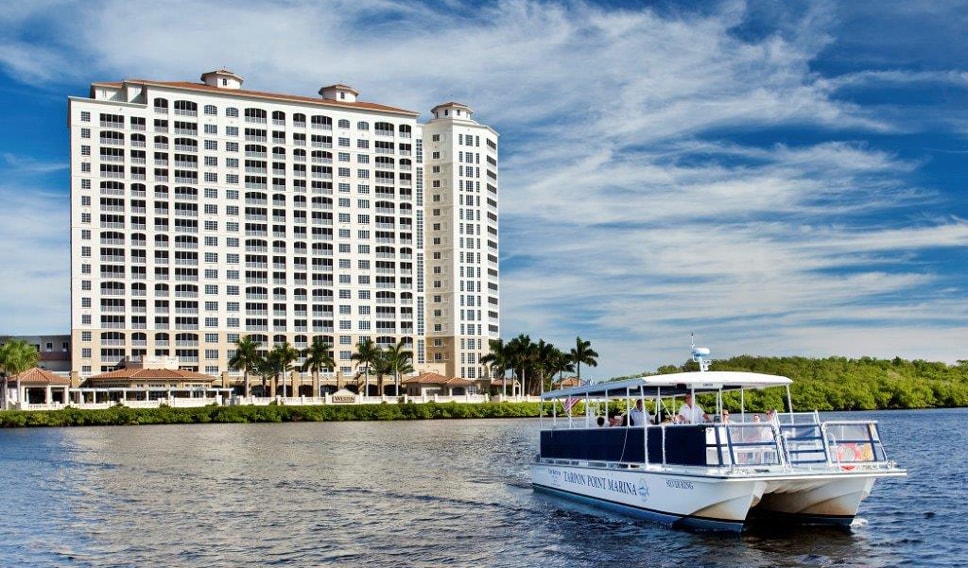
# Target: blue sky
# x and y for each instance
(780, 178)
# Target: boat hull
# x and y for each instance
(826, 501)
(700, 502)
(711, 502)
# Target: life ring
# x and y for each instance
(847, 453)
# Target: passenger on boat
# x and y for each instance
(601, 420)
(639, 416)
(691, 413)
(725, 417)
(772, 416)
(616, 419)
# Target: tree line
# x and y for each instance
(395, 360)
(839, 383)
(832, 383)
(534, 365)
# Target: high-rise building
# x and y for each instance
(202, 213)
(462, 239)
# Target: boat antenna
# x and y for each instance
(700, 355)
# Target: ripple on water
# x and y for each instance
(452, 493)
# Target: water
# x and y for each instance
(432, 493)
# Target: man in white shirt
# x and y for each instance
(639, 416)
(691, 413)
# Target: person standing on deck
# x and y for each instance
(691, 413)
(639, 416)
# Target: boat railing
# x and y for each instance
(747, 444)
(851, 443)
(798, 417)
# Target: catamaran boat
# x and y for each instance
(711, 475)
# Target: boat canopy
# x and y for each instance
(673, 384)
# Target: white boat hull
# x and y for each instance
(823, 501)
(694, 501)
(703, 501)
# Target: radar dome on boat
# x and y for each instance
(701, 351)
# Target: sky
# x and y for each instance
(778, 178)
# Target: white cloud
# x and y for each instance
(35, 287)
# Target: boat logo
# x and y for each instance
(643, 490)
(555, 475)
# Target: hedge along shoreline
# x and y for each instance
(125, 416)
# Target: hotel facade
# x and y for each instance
(202, 213)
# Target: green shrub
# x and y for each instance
(123, 415)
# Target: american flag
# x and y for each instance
(570, 401)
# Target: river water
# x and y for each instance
(428, 493)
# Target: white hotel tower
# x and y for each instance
(202, 213)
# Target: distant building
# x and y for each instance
(33, 386)
(430, 384)
(54, 350)
(202, 213)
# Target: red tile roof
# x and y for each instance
(435, 379)
(257, 94)
(38, 376)
(152, 374)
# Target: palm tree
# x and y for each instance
(523, 357)
(544, 362)
(497, 360)
(319, 356)
(366, 353)
(16, 357)
(246, 358)
(399, 360)
(582, 353)
(381, 368)
(281, 358)
(553, 361)
(264, 368)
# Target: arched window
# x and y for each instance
(186, 108)
(323, 122)
(255, 115)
